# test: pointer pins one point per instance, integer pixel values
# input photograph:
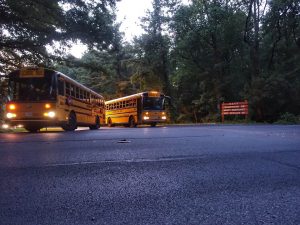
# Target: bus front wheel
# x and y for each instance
(131, 122)
(109, 122)
(32, 129)
(97, 124)
(72, 122)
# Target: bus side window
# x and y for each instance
(85, 96)
(72, 88)
(77, 92)
(61, 87)
(81, 94)
(68, 91)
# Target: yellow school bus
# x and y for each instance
(40, 97)
(140, 108)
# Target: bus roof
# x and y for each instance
(61, 75)
(132, 96)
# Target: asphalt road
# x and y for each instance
(163, 175)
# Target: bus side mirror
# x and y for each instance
(169, 102)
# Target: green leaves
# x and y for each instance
(201, 54)
(29, 26)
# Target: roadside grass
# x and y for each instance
(288, 119)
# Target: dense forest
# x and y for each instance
(201, 54)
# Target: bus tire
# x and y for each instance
(131, 122)
(153, 124)
(109, 122)
(32, 129)
(71, 125)
(97, 124)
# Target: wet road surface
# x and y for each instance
(163, 175)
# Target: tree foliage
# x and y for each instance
(209, 56)
(202, 53)
(152, 61)
(29, 26)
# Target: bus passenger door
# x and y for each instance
(139, 109)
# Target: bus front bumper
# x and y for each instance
(37, 122)
(151, 121)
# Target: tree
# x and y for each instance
(276, 90)
(152, 60)
(29, 26)
(209, 56)
(103, 71)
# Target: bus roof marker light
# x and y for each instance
(47, 106)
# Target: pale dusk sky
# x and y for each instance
(129, 13)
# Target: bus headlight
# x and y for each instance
(5, 126)
(11, 115)
(163, 117)
(50, 114)
(146, 117)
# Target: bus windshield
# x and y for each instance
(31, 89)
(153, 103)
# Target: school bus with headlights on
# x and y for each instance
(40, 97)
(141, 108)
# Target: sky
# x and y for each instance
(128, 12)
